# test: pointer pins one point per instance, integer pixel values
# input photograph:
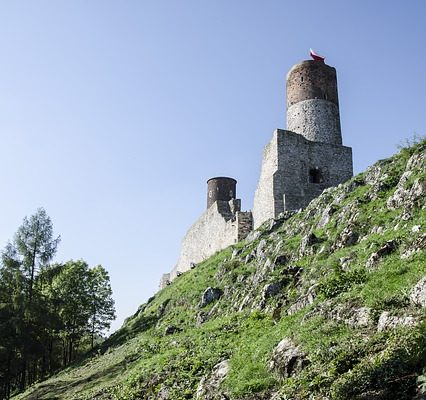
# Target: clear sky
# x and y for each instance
(113, 114)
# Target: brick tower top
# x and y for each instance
(221, 188)
(313, 102)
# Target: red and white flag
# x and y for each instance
(316, 56)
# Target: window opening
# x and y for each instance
(315, 175)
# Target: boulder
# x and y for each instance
(271, 290)
(287, 359)
(209, 386)
(171, 329)
(418, 293)
(209, 295)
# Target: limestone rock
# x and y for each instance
(235, 253)
(418, 294)
(355, 317)
(387, 321)
(171, 329)
(263, 272)
(347, 237)
(252, 236)
(417, 245)
(261, 249)
(326, 215)
(372, 175)
(271, 289)
(209, 386)
(249, 257)
(287, 359)
(162, 308)
(281, 259)
(406, 197)
(200, 318)
(306, 245)
(388, 248)
(163, 394)
(304, 300)
(209, 295)
(345, 262)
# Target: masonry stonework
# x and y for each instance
(308, 157)
(298, 164)
(295, 171)
(221, 225)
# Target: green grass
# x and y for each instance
(140, 359)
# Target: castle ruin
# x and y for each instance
(298, 164)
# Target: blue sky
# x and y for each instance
(113, 114)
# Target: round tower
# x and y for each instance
(313, 103)
(220, 188)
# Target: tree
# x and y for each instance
(102, 304)
(48, 313)
(71, 287)
(35, 245)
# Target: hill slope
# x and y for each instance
(327, 303)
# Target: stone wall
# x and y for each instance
(317, 120)
(219, 226)
(164, 281)
(295, 171)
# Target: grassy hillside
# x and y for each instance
(335, 280)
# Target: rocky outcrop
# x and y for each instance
(415, 246)
(287, 359)
(210, 294)
(209, 386)
(388, 248)
(388, 321)
(418, 294)
(271, 289)
(304, 300)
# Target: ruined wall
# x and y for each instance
(264, 197)
(219, 226)
(296, 170)
(164, 281)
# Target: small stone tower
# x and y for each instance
(308, 157)
(313, 103)
(220, 188)
(222, 224)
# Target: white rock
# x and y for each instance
(418, 294)
(387, 321)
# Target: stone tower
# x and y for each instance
(221, 224)
(313, 103)
(220, 188)
(308, 157)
